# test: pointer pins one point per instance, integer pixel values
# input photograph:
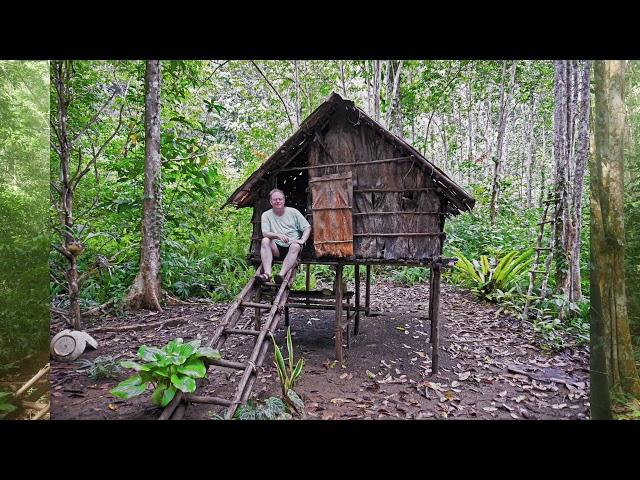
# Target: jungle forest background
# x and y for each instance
(517, 135)
(488, 124)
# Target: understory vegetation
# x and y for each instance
(220, 120)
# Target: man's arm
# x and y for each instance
(276, 236)
(305, 236)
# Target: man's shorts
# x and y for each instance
(282, 250)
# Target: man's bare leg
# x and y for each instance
(290, 259)
(268, 250)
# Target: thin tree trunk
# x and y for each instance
(560, 139)
(582, 148)
(609, 308)
(377, 66)
(146, 289)
(344, 84)
(531, 147)
(296, 80)
(504, 110)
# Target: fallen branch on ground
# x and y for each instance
(142, 326)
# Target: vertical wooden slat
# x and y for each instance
(338, 290)
(356, 275)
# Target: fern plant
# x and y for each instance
(491, 282)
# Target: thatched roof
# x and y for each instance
(244, 196)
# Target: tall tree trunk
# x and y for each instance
(582, 148)
(394, 113)
(342, 77)
(296, 80)
(530, 149)
(504, 110)
(560, 153)
(70, 248)
(610, 322)
(377, 67)
(146, 289)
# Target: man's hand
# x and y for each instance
(284, 238)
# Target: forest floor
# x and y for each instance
(490, 364)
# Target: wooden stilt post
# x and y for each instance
(356, 276)
(434, 307)
(367, 289)
(307, 282)
(338, 290)
(286, 316)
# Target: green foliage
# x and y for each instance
(491, 279)
(272, 409)
(410, 276)
(288, 374)
(174, 367)
(5, 404)
(104, 366)
(24, 192)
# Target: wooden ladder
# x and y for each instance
(537, 264)
(249, 297)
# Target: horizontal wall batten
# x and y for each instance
(398, 213)
(416, 234)
(391, 190)
(332, 241)
(350, 164)
(329, 208)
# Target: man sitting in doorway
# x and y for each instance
(284, 231)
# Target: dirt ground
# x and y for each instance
(490, 365)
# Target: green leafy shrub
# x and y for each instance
(491, 282)
(5, 405)
(171, 368)
(288, 376)
(410, 276)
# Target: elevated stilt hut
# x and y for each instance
(370, 197)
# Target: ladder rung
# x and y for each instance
(551, 201)
(542, 248)
(228, 364)
(241, 331)
(210, 400)
(538, 271)
(546, 221)
(257, 305)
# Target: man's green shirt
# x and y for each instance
(292, 223)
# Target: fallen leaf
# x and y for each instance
(489, 409)
(371, 375)
(112, 407)
(464, 375)
(520, 398)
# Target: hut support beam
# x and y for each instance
(434, 307)
(367, 289)
(356, 275)
(338, 289)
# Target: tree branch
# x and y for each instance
(274, 89)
